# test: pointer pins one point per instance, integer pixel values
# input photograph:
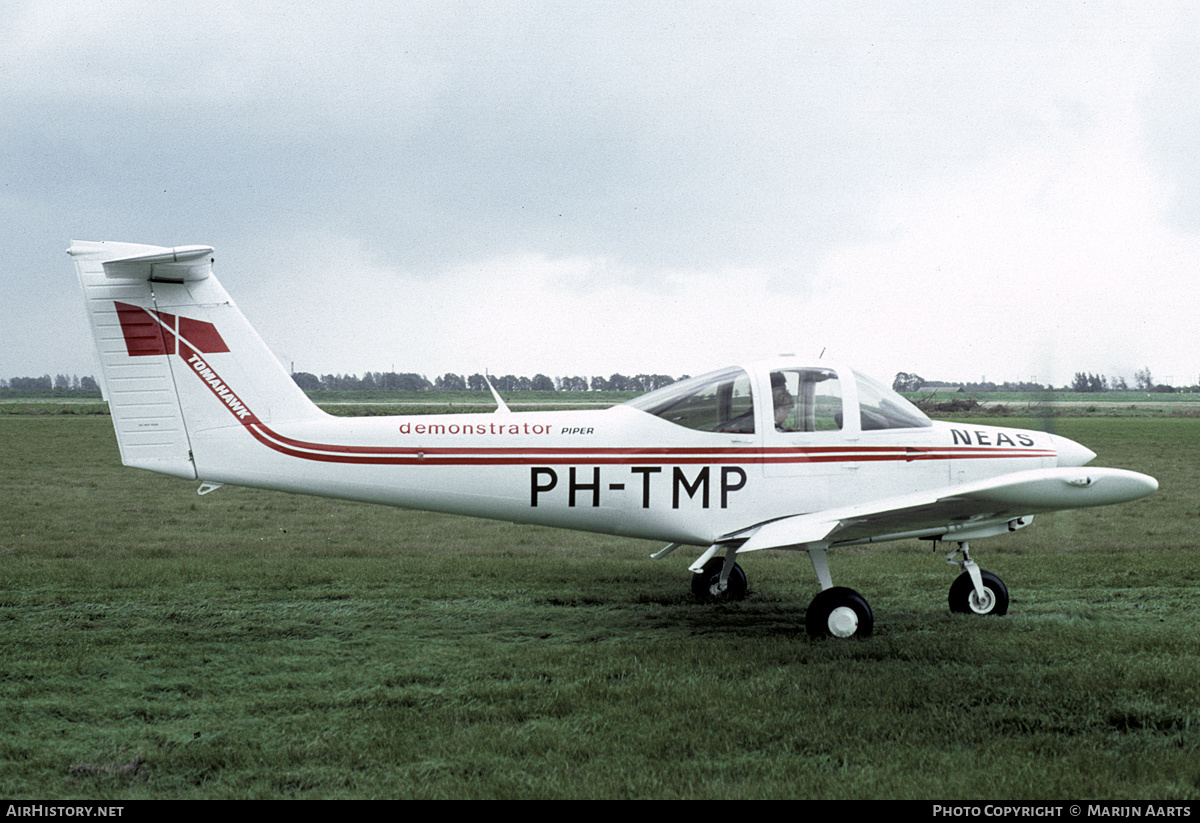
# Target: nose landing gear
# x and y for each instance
(976, 590)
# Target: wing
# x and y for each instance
(969, 511)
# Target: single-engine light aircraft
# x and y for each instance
(784, 454)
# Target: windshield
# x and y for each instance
(715, 402)
(882, 408)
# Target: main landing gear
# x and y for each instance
(837, 611)
(708, 587)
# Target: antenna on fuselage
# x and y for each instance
(501, 406)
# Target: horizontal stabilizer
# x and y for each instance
(130, 261)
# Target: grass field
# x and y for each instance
(248, 644)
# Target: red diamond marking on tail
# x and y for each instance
(148, 333)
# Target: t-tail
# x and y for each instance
(176, 356)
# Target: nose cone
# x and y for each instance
(1071, 453)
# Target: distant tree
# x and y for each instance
(907, 382)
(408, 381)
(1118, 384)
(1089, 383)
(619, 382)
(450, 382)
(477, 382)
(89, 383)
(340, 382)
(40, 383)
(1143, 380)
(541, 382)
(649, 382)
(307, 381)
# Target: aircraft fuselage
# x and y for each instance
(619, 471)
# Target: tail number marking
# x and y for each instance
(584, 487)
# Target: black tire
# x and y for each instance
(705, 580)
(964, 601)
(839, 612)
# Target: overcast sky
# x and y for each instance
(962, 190)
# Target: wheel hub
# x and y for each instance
(983, 605)
(843, 622)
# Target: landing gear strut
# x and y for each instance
(975, 591)
(837, 611)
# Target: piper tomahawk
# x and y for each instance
(782, 454)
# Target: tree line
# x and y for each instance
(60, 382)
(410, 381)
(1085, 382)
(394, 381)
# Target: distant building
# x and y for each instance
(948, 389)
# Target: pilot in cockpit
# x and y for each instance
(785, 404)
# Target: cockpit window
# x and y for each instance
(716, 402)
(882, 408)
(806, 400)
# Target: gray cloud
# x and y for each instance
(661, 143)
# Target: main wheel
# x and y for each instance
(839, 612)
(706, 581)
(964, 600)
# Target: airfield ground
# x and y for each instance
(248, 644)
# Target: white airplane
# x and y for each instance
(785, 454)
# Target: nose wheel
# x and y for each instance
(976, 590)
(965, 600)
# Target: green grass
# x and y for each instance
(247, 644)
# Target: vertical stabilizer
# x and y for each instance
(176, 355)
